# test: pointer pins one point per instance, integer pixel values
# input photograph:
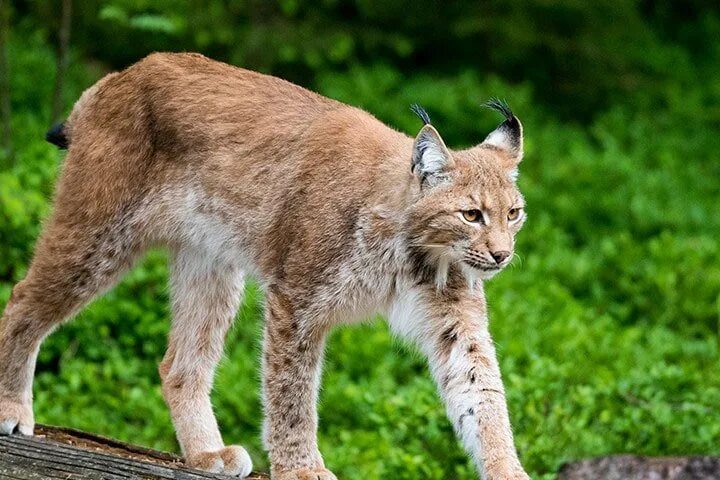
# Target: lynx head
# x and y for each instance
(469, 207)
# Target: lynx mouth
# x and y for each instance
(483, 266)
(480, 270)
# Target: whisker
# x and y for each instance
(515, 255)
(428, 245)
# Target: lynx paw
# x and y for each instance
(305, 474)
(16, 416)
(519, 475)
(232, 460)
(510, 474)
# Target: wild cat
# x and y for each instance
(335, 214)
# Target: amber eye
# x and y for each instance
(514, 214)
(472, 216)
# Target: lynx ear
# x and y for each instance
(508, 135)
(431, 160)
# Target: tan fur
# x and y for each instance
(239, 173)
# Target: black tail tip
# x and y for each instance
(56, 136)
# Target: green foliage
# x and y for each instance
(580, 56)
(607, 325)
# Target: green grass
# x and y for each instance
(606, 327)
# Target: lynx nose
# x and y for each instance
(500, 256)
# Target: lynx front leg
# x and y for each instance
(466, 369)
(206, 295)
(291, 372)
(451, 328)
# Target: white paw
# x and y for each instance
(15, 416)
(233, 460)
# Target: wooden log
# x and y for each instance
(65, 454)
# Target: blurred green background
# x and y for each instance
(607, 326)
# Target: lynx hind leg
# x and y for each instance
(206, 294)
(73, 263)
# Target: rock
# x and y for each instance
(631, 467)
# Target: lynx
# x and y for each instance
(336, 215)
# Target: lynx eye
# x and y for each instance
(472, 216)
(514, 214)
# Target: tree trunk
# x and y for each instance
(63, 59)
(5, 126)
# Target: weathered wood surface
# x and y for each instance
(631, 467)
(65, 454)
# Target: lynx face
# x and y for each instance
(470, 207)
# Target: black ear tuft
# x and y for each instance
(500, 106)
(508, 135)
(420, 112)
